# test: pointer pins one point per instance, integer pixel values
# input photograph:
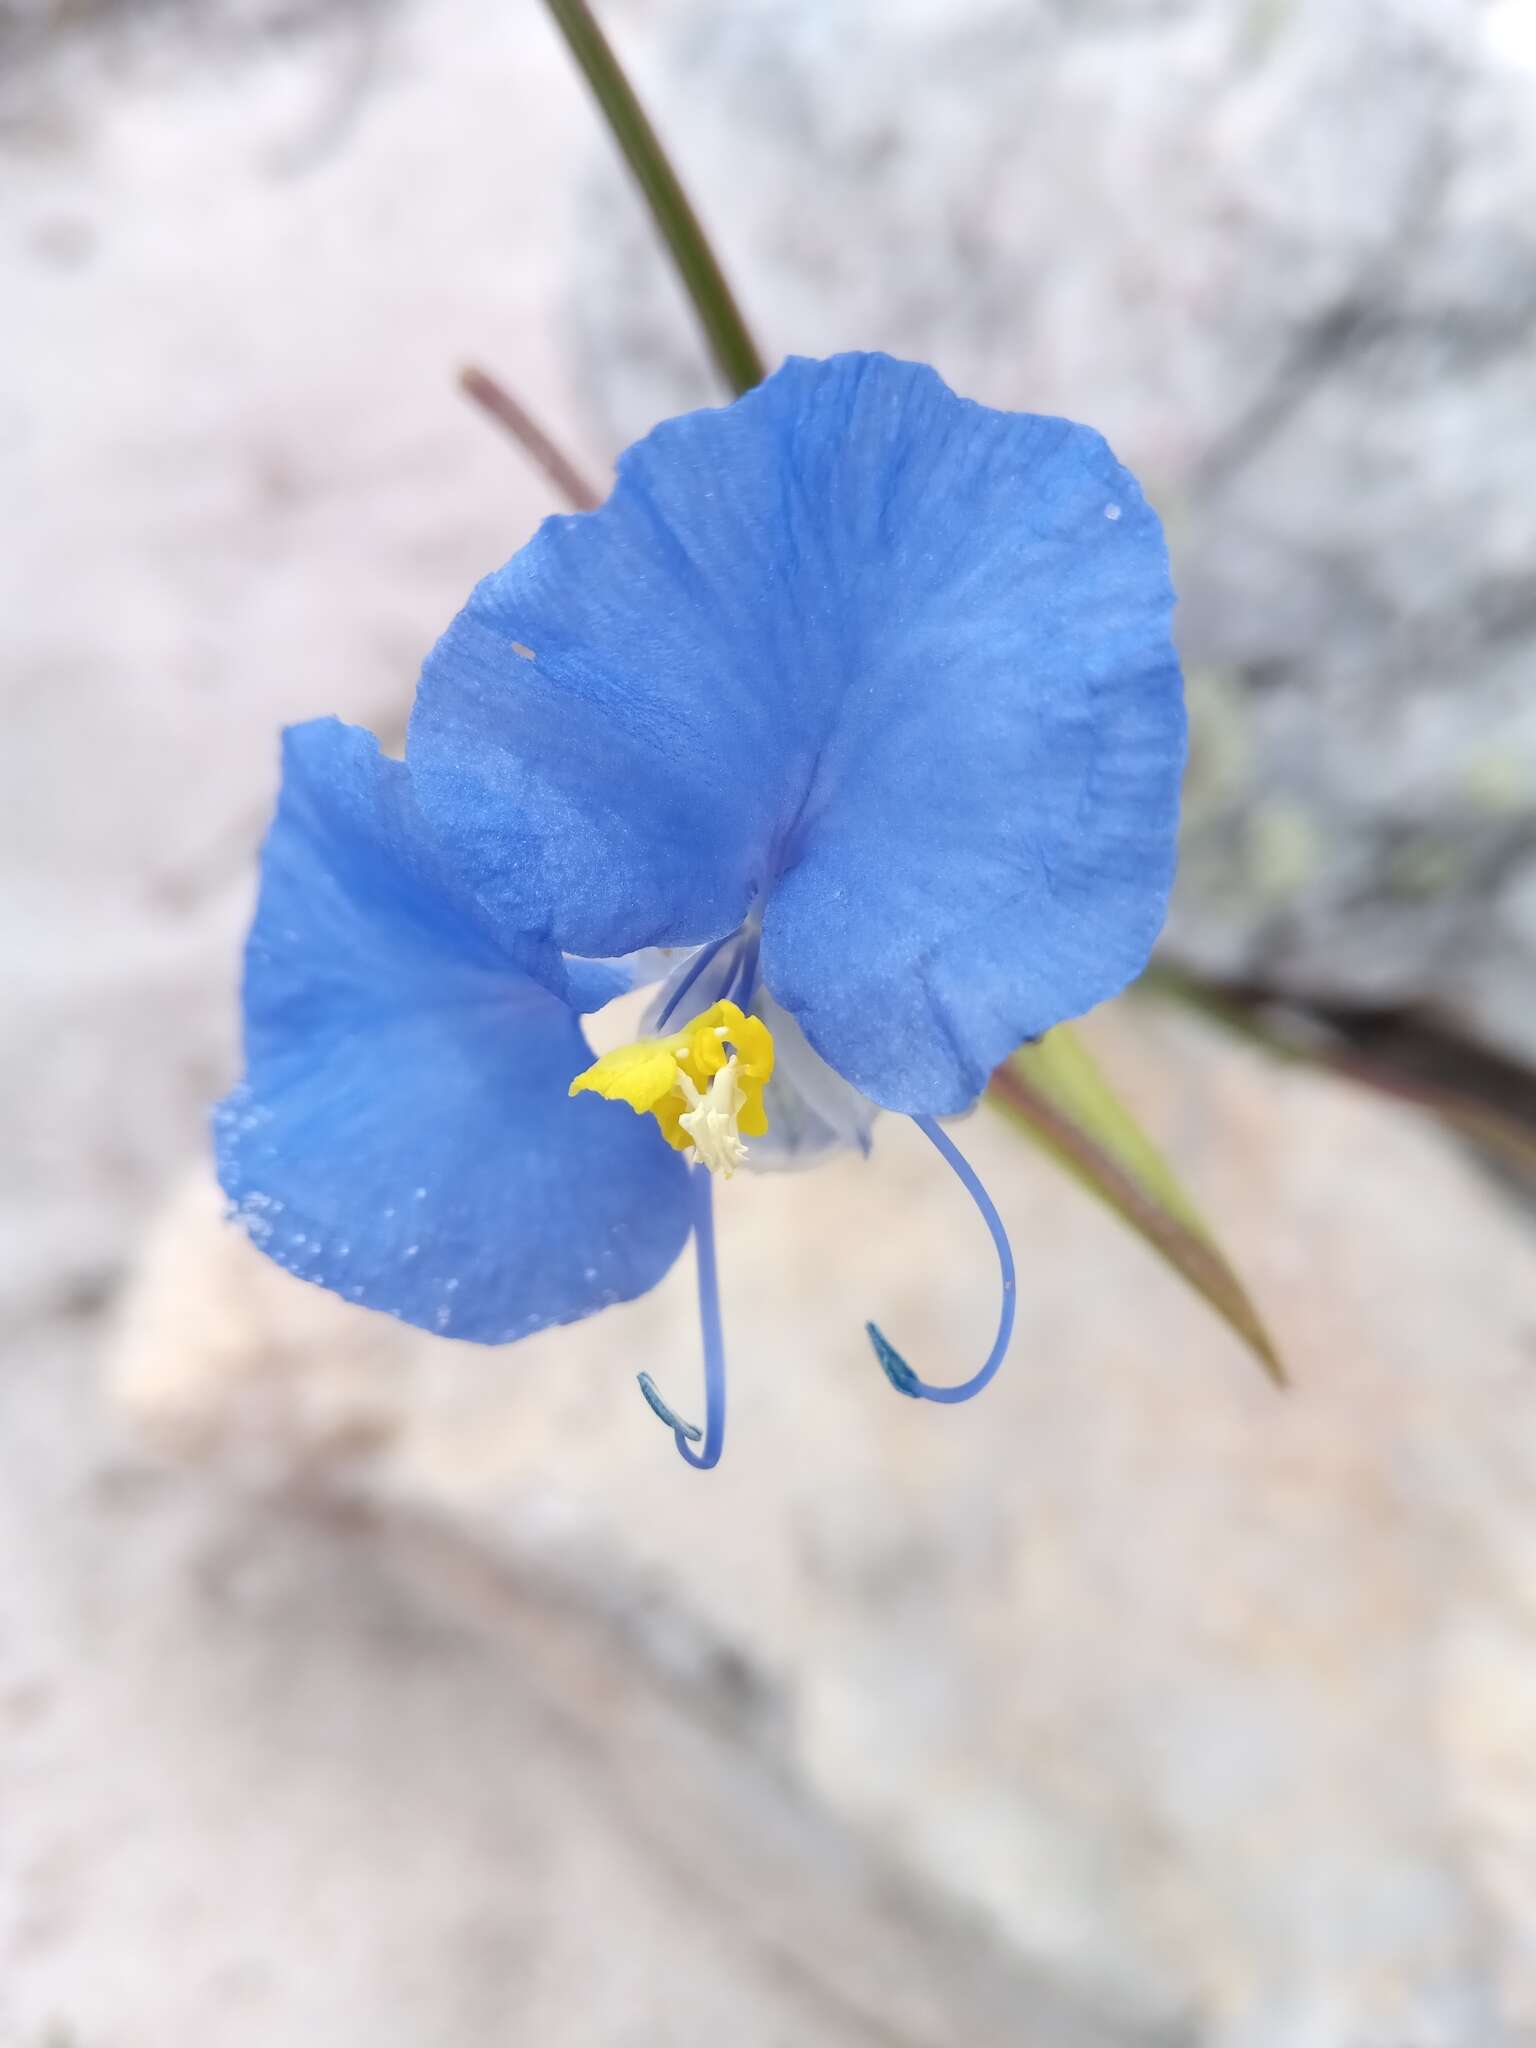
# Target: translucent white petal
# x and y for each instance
(812, 1112)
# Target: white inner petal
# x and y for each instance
(812, 1111)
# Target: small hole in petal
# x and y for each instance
(526, 652)
(1111, 511)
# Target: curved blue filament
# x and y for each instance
(686, 1433)
(652, 1393)
(892, 1364)
(692, 976)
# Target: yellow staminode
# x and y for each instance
(704, 1084)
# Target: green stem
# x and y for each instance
(731, 345)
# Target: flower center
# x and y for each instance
(703, 1084)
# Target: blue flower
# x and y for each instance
(855, 707)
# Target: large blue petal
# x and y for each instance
(895, 664)
(403, 1134)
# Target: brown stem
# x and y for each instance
(495, 399)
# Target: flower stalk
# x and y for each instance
(730, 343)
(495, 399)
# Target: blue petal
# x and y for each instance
(403, 1135)
(891, 662)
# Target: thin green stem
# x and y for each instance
(731, 345)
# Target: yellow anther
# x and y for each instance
(703, 1084)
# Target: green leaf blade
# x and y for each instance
(1055, 1091)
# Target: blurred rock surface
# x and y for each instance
(1210, 1701)
(287, 1770)
(1145, 1686)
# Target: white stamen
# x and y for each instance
(712, 1120)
